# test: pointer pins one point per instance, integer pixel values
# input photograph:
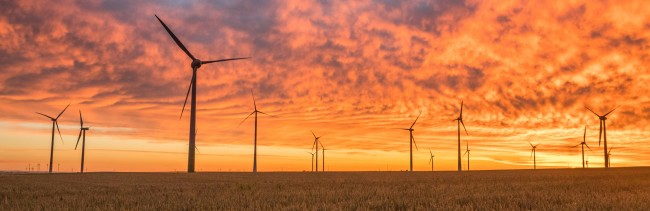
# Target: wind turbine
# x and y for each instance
(82, 131)
(196, 64)
(55, 123)
(431, 159)
(609, 154)
(255, 111)
(412, 140)
(312, 161)
(603, 132)
(321, 144)
(587, 161)
(467, 152)
(584, 143)
(460, 121)
(533, 154)
(316, 146)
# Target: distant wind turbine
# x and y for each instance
(323, 148)
(82, 132)
(467, 152)
(533, 154)
(55, 123)
(609, 156)
(412, 141)
(255, 111)
(196, 64)
(315, 145)
(587, 161)
(603, 132)
(431, 159)
(584, 143)
(460, 122)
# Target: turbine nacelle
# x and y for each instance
(196, 63)
(602, 117)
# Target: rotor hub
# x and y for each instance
(603, 118)
(196, 63)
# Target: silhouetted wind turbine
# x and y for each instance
(411, 141)
(609, 156)
(460, 121)
(603, 132)
(533, 154)
(315, 145)
(255, 111)
(587, 161)
(82, 132)
(584, 143)
(312, 161)
(467, 152)
(431, 159)
(196, 64)
(55, 123)
(323, 148)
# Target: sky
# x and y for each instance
(351, 71)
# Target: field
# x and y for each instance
(565, 189)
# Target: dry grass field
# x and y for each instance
(568, 189)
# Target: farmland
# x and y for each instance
(561, 189)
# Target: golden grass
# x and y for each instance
(568, 189)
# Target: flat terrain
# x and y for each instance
(568, 189)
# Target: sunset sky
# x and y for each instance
(349, 70)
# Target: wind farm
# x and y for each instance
(353, 75)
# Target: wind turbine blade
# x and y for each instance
(79, 138)
(588, 147)
(197, 149)
(313, 145)
(462, 123)
(610, 149)
(81, 119)
(431, 153)
(56, 123)
(188, 93)
(576, 145)
(600, 132)
(416, 119)
(66, 107)
(266, 114)
(245, 118)
(430, 160)
(461, 109)
(312, 132)
(592, 111)
(584, 136)
(254, 103)
(416, 145)
(45, 115)
(224, 60)
(611, 111)
(531, 145)
(178, 42)
(465, 152)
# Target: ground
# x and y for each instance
(560, 189)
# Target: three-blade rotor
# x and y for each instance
(55, 120)
(196, 63)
